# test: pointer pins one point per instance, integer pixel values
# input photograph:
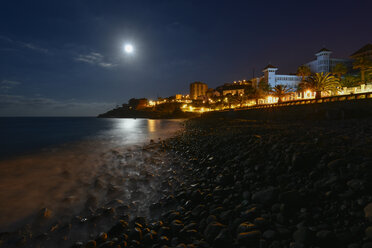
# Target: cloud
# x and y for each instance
(5, 38)
(34, 47)
(27, 45)
(95, 58)
(6, 85)
(17, 105)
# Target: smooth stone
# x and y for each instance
(368, 211)
(91, 244)
(269, 234)
(212, 230)
(265, 196)
(249, 238)
(337, 163)
(303, 236)
(368, 232)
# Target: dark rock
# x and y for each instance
(118, 228)
(250, 214)
(266, 196)
(249, 238)
(276, 244)
(211, 218)
(296, 245)
(45, 213)
(198, 210)
(368, 211)
(246, 227)
(212, 230)
(337, 164)
(225, 179)
(353, 246)
(304, 160)
(196, 196)
(326, 238)
(102, 237)
(164, 231)
(368, 232)
(292, 198)
(107, 244)
(140, 220)
(260, 222)
(78, 244)
(91, 244)
(176, 226)
(269, 234)
(226, 215)
(135, 234)
(163, 240)
(223, 239)
(303, 236)
(148, 239)
(182, 245)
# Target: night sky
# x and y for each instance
(66, 57)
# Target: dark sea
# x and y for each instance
(61, 163)
(25, 135)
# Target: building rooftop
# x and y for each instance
(364, 49)
(324, 50)
(270, 66)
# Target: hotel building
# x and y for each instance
(198, 89)
(322, 63)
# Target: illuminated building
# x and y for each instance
(324, 62)
(273, 79)
(198, 89)
(233, 92)
(212, 93)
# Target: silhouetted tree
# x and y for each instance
(339, 70)
(303, 71)
(363, 64)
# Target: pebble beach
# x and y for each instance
(234, 183)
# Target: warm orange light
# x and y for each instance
(308, 94)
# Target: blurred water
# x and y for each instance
(63, 163)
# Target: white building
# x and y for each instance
(324, 62)
(274, 79)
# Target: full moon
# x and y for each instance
(128, 48)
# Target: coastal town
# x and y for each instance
(325, 76)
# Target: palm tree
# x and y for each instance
(363, 64)
(280, 91)
(303, 71)
(319, 82)
(339, 70)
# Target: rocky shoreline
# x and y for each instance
(239, 183)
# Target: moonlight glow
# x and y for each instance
(128, 48)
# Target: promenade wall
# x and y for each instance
(357, 108)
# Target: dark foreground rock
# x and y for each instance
(257, 184)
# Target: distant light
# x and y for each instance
(128, 48)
